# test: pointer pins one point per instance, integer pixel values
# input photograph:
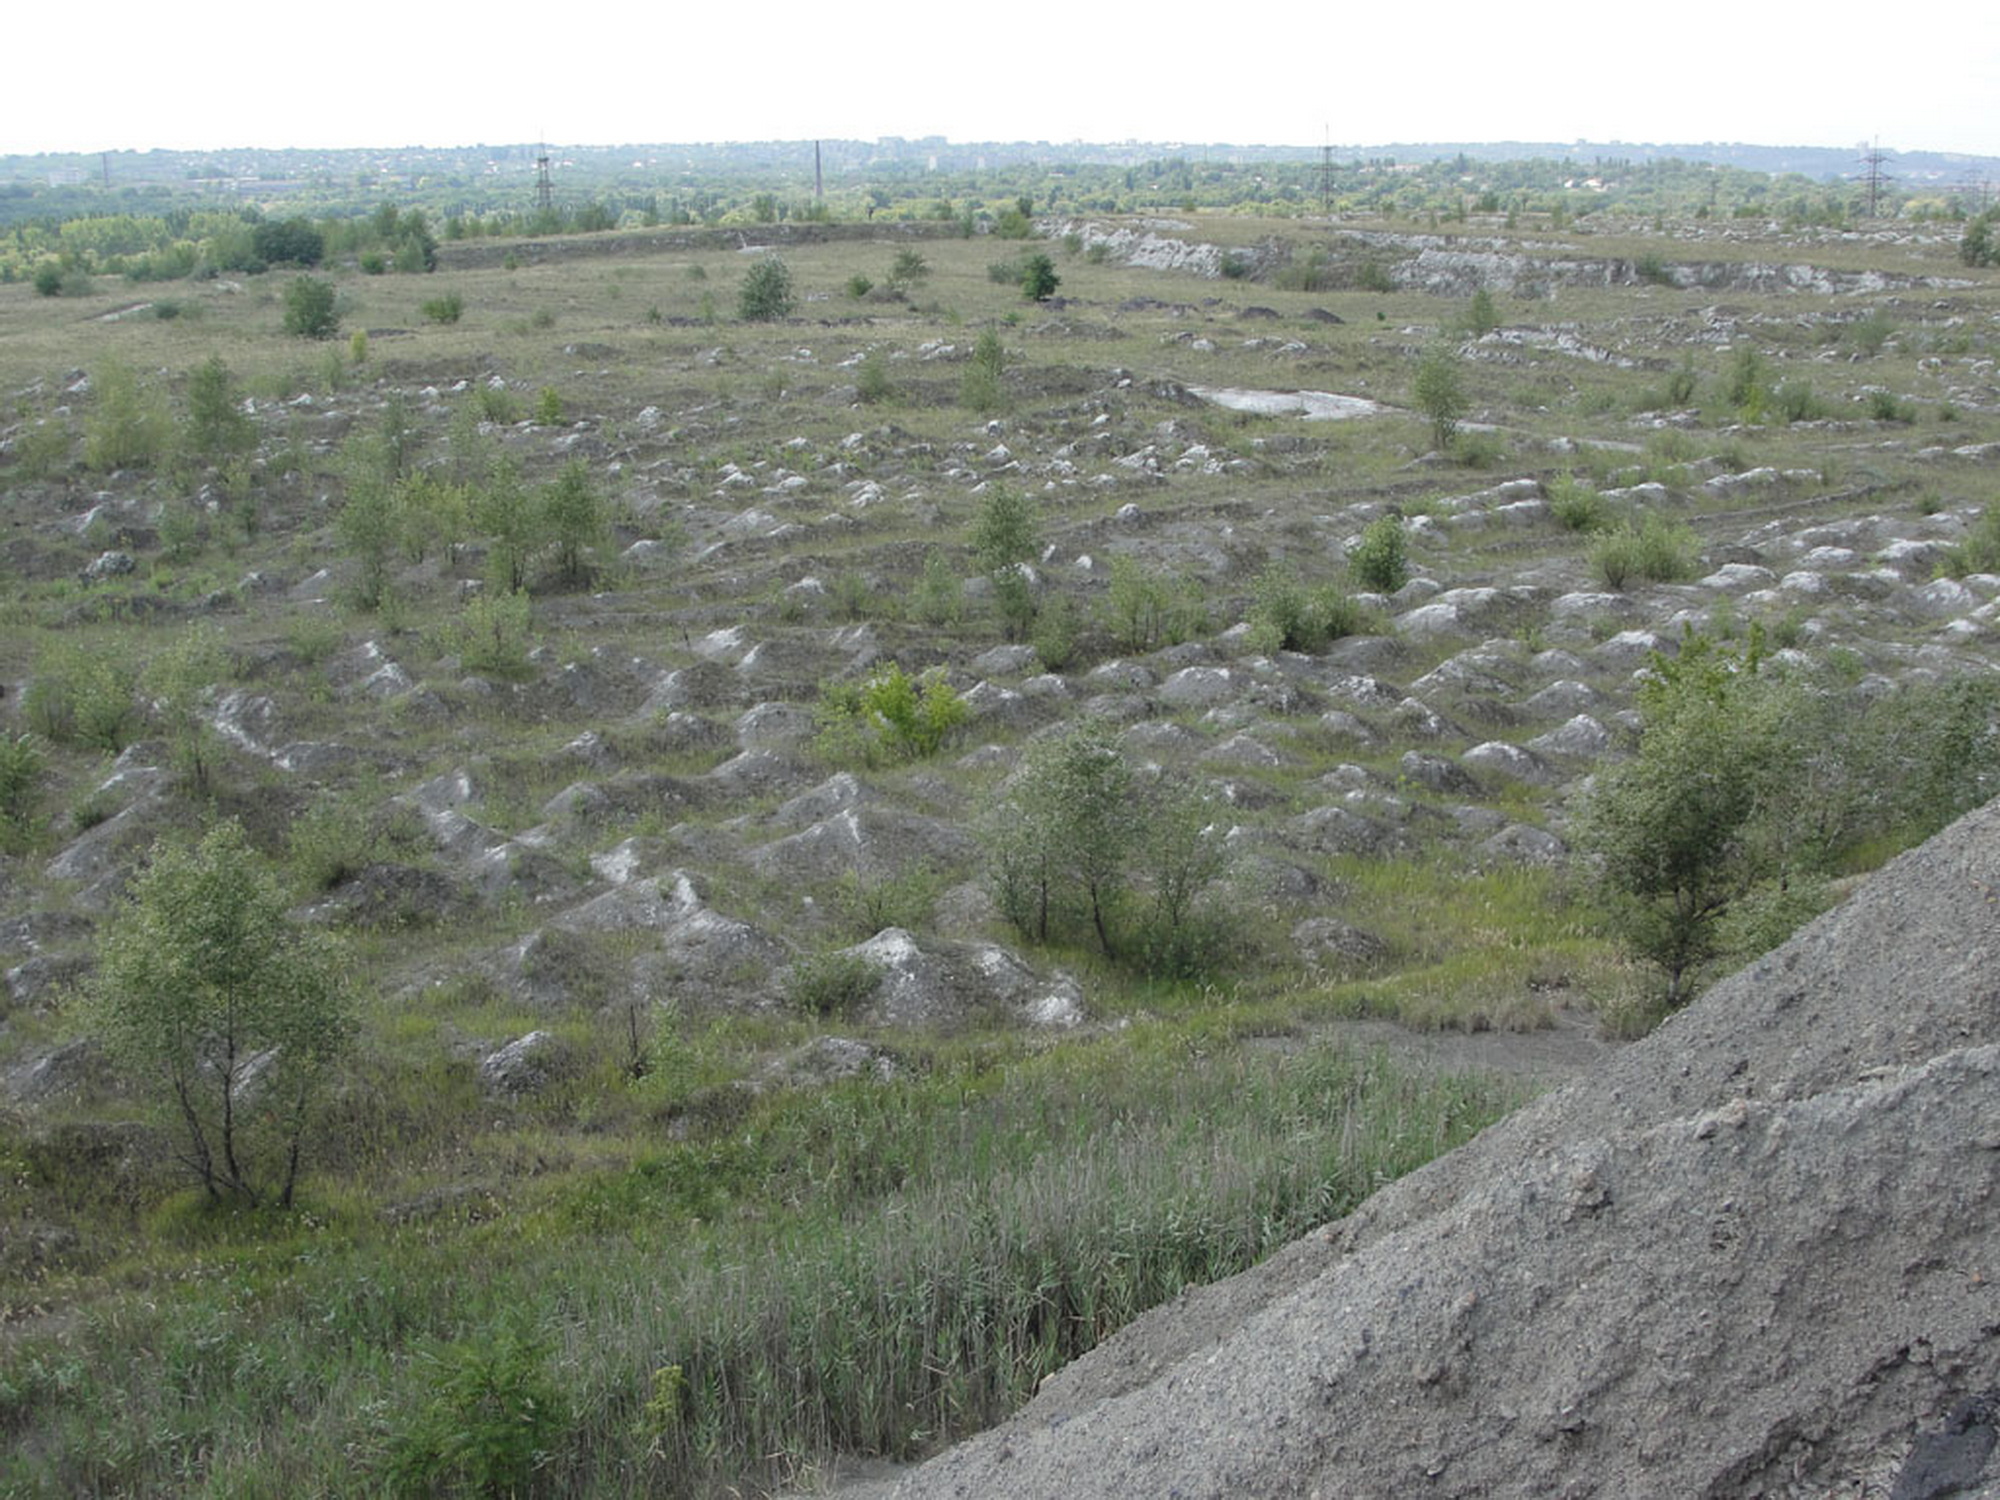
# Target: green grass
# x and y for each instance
(723, 1286)
(864, 1269)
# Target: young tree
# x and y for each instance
(178, 681)
(216, 427)
(1058, 840)
(217, 1002)
(1006, 537)
(506, 514)
(979, 389)
(766, 293)
(1682, 829)
(1439, 393)
(573, 520)
(1038, 277)
(310, 311)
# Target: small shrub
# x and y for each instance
(1577, 506)
(766, 293)
(859, 286)
(890, 717)
(1380, 560)
(1038, 278)
(499, 405)
(1439, 393)
(1745, 385)
(1656, 550)
(1056, 634)
(446, 309)
(938, 600)
(21, 765)
(81, 696)
(1481, 316)
(1884, 407)
(489, 1413)
(548, 406)
(1287, 616)
(1979, 552)
(980, 388)
(310, 311)
(127, 426)
(832, 985)
(1372, 277)
(1796, 401)
(1680, 385)
(1145, 610)
(1867, 335)
(871, 379)
(908, 268)
(492, 634)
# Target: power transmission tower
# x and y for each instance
(1326, 176)
(545, 188)
(1873, 160)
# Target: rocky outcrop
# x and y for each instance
(1753, 1255)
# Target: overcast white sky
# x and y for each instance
(136, 74)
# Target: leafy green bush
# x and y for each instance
(216, 427)
(1796, 401)
(859, 286)
(1884, 406)
(889, 717)
(1438, 391)
(21, 766)
(499, 405)
(1746, 384)
(1979, 245)
(488, 1414)
(938, 600)
(1655, 550)
(1380, 560)
(1287, 616)
(1577, 506)
(1145, 610)
(871, 379)
(1057, 634)
(766, 293)
(127, 426)
(81, 695)
(1038, 277)
(1078, 841)
(908, 268)
(493, 633)
(1979, 552)
(980, 388)
(446, 309)
(210, 996)
(310, 308)
(832, 985)
(1374, 277)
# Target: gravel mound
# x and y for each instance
(1756, 1254)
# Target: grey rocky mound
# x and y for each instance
(1757, 1254)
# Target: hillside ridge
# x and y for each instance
(1749, 1256)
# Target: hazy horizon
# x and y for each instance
(1718, 74)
